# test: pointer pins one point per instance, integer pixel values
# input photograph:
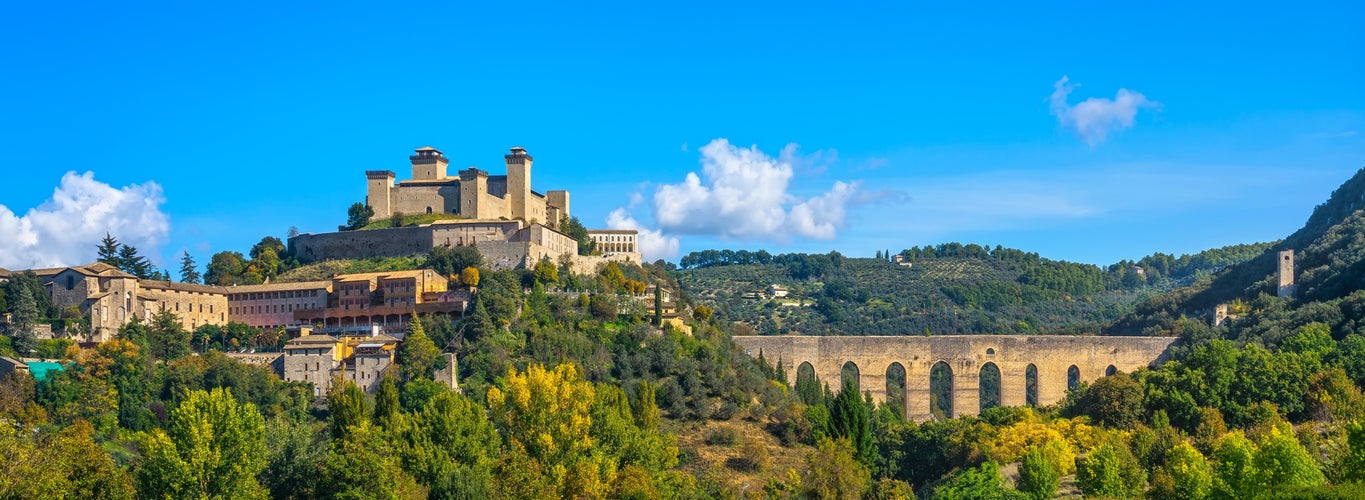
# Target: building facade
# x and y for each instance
(472, 193)
(111, 298)
(273, 305)
(317, 359)
(385, 300)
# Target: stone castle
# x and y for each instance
(511, 224)
(473, 193)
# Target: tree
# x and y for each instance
(546, 272)
(22, 321)
(575, 230)
(293, 457)
(226, 268)
(1282, 462)
(358, 215)
(450, 446)
(133, 263)
(265, 256)
(365, 465)
(982, 482)
(396, 219)
(451, 260)
(546, 415)
(386, 408)
(213, 447)
(1110, 471)
(1114, 401)
(167, 337)
(1038, 478)
(849, 419)
(108, 251)
(833, 472)
(418, 357)
(1186, 475)
(470, 276)
(1233, 467)
(348, 405)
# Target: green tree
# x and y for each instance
(293, 458)
(1234, 469)
(213, 447)
(849, 419)
(189, 272)
(546, 272)
(1282, 462)
(226, 268)
(358, 215)
(108, 251)
(1114, 401)
(575, 230)
(1110, 471)
(22, 321)
(348, 405)
(386, 407)
(418, 357)
(645, 410)
(833, 472)
(450, 261)
(1186, 474)
(546, 415)
(450, 446)
(365, 465)
(133, 262)
(167, 336)
(1038, 478)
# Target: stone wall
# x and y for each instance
(1051, 356)
(362, 244)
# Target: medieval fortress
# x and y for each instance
(511, 224)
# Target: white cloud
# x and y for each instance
(743, 194)
(654, 244)
(1094, 118)
(64, 230)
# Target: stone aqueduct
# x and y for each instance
(1052, 361)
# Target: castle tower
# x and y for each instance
(1220, 314)
(1286, 274)
(519, 183)
(427, 164)
(379, 188)
(558, 207)
(473, 191)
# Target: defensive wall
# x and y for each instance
(1054, 362)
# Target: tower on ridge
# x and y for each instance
(1286, 274)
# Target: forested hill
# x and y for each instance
(946, 288)
(1330, 266)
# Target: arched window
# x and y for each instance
(1073, 378)
(1109, 372)
(848, 377)
(1031, 385)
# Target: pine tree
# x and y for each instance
(418, 356)
(108, 251)
(188, 272)
(21, 323)
(133, 263)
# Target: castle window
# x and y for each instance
(70, 282)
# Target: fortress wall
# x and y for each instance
(362, 244)
(965, 355)
(413, 200)
(501, 255)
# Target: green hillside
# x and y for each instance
(1330, 264)
(948, 288)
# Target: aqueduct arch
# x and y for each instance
(1047, 359)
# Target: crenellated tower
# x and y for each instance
(428, 164)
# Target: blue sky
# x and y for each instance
(917, 123)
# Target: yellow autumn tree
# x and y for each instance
(545, 415)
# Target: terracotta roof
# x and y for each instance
(184, 287)
(92, 269)
(388, 275)
(275, 287)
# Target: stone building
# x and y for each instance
(316, 359)
(272, 305)
(111, 298)
(386, 300)
(471, 193)
(615, 241)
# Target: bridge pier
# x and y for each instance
(966, 390)
(1013, 384)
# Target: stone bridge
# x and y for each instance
(1033, 369)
